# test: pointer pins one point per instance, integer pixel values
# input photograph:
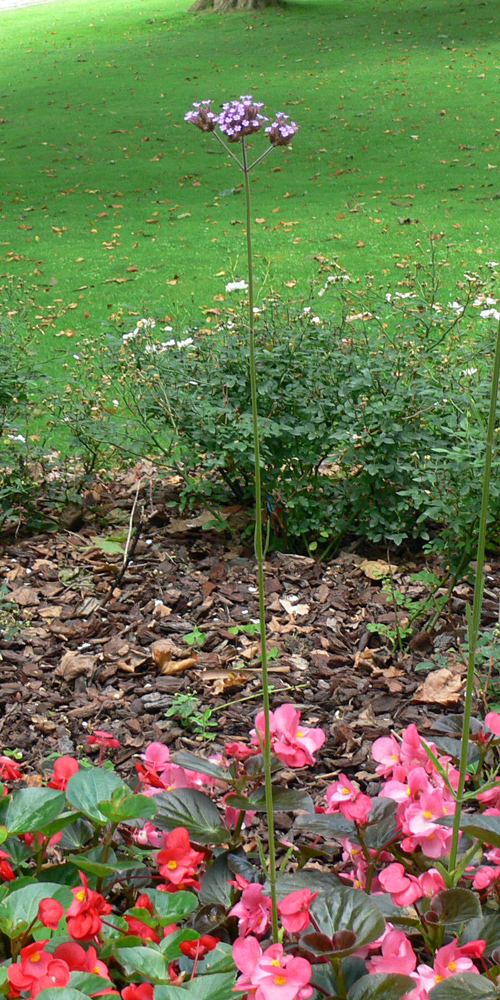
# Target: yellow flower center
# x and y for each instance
(172, 865)
(275, 961)
(36, 957)
(427, 814)
(345, 791)
(81, 895)
(280, 980)
(300, 733)
(97, 970)
(439, 978)
(452, 966)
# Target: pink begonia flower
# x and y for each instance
(342, 796)
(420, 827)
(240, 751)
(450, 960)
(386, 751)
(232, 815)
(490, 797)
(397, 955)
(293, 744)
(404, 889)
(492, 720)
(485, 876)
(156, 756)
(253, 911)
(294, 910)
(270, 975)
(431, 882)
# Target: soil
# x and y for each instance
(93, 643)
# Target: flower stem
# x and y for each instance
(259, 557)
(475, 617)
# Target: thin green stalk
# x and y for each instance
(259, 556)
(477, 602)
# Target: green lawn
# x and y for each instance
(108, 200)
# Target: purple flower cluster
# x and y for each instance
(203, 117)
(240, 118)
(281, 131)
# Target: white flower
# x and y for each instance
(167, 329)
(492, 263)
(321, 292)
(388, 297)
(469, 371)
(17, 437)
(185, 343)
(315, 319)
(456, 306)
(306, 309)
(237, 286)
(490, 314)
(405, 295)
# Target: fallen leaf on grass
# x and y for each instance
(442, 687)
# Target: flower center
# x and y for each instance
(280, 980)
(452, 966)
(81, 895)
(427, 814)
(36, 957)
(172, 865)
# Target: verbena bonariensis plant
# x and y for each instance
(238, 120)
(160, 891)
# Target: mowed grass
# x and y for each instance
(110, 201)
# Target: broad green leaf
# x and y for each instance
(308, 878)
(129, 807)
(173, 906)
(456, 907)
(149, 962)
(77, 834)
(88, 982)
(101, 869)
(215, 886)
(169, 947)
(214, 987)
(464, 986)
(487, 929)
(4, 833)
(284, 799)
(21, 906)
(485, 828)
(390, 986)
(349, 917)
(90, 786)
(192, 762)
(332, 825)
(381, 827)
(107, 545)
(195, 811)
(62, 993)
(28, 809)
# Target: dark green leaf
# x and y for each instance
(456, 906)
(381, 987)
(332, 825)
(485, 828)
(101, 869)
(170, 944)
(487, 929)
(308, 878)
(215, 886)
(21, 906)
(349, 918)
(88, 982)
(28, 809)
(77, 834)
(195, 811)
(89, 786)
(192, 762)
(129, 807)
(149, 962)
(381, 828)
(284, 799)
(62, 993)
(172, 906)
(214, 987)
(465, 986)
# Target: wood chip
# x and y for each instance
(73, 665)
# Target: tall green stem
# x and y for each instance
(259, 557)
(476, 605)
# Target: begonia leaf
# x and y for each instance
(118, 810)
(215, 886)
(88, 982)
(148, 961)
(284, 799)
(90, 786)
(484, 929)
(348, 918)
(195, 811)
(170, 945)
(172, 906)
(453, 724)
(62, 993)
(191, 762)
(218, 986)
(308, 878)
(381, 825)
(28, 809)
(456, 906)
(102, 869)
(381, 986)
(77, 834)
(486, 829)
(21, 907)
(333, 825)
(464, 986)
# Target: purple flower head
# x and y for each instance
(203, 117)
(281, 131)
(240, 118)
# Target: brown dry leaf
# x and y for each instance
(134, 660)
(294, 609)
(442, 687)
(170, 666)
(365, 718)
(180, 524)
(53, 612)
(164, 649)
(27, 597)
(364, 658)
(73, 665)
(375, 569)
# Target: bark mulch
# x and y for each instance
(93, 644)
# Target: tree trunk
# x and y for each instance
(221, 5)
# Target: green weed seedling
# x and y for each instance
(186, 708)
